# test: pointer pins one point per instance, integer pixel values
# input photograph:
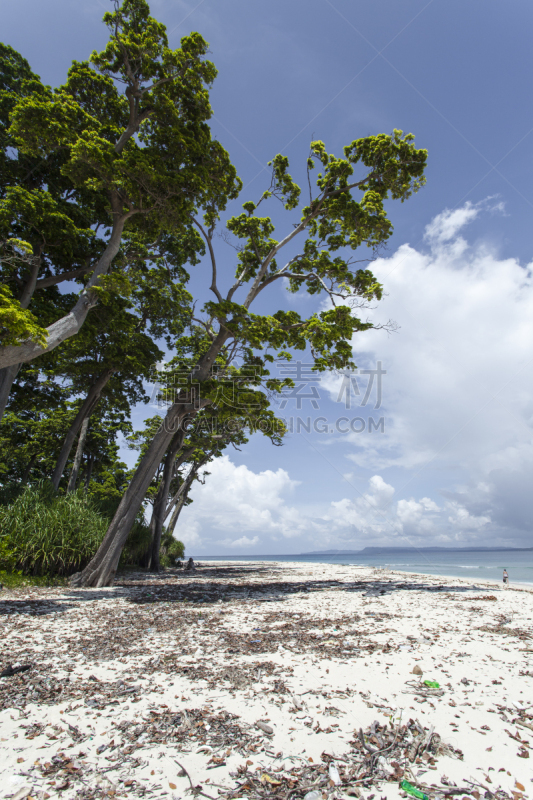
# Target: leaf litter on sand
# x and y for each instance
(149, 634)
(216, 731)
(382, 753)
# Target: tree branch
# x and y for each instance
(298, 229)
(208, 239)
(52, 280)
(71, 323)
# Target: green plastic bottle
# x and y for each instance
(407, 787)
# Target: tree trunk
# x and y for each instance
(77, 458)
(100, 571)
(177, 511)
(7, 378)
(28, 469)
(85, 411)
(152, 557)
(158, 515)
(71, 323)
(185, 488)
(89, 472)
(147, 558)
(183, 492)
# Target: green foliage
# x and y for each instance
(17, 580)
(32, 436)
(120, 154)
(9, 493)
(16, 323)
(8, 558)
(137, 545)
(46, 534)
(171, 550)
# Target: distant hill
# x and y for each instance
(407, 550)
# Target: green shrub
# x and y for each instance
(137, 545)
(9, 493)
(16, 580)
(43, 533)
(7, 557)
(171, 550)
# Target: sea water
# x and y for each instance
(473, 565)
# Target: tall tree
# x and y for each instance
(112, 355)
(46, 238)
(332, 223)
(217, 427)
(134, 164)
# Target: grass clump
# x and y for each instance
(171, 550)
(137, 545)
(17, 580)
(44, 534)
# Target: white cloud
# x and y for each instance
(235, 499)
(461, 518)
(372, 516)
(244, 541)
(458, 394)
(458, 405)
(188, 533)
(446, 225)
(411, 511)
(364, 513)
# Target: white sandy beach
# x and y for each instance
(127, 682)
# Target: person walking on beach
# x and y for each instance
(505, 579)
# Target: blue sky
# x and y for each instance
(455, 462)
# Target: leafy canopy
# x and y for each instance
(343, 213)
(104, 174)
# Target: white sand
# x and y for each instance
(344, 651)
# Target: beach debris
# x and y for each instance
(407, 787)
(264, 727)
(410, 742)
(220, 628)
(334, 774)
(47, 689)
(381, 753)
(420, 688)
(10, 670)
(218, 731)
(22, 793)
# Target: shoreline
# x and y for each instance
(244, 669)
(290, 559)
(527, 585)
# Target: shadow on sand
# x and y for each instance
(221, 584)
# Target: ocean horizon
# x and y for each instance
(478, 565)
